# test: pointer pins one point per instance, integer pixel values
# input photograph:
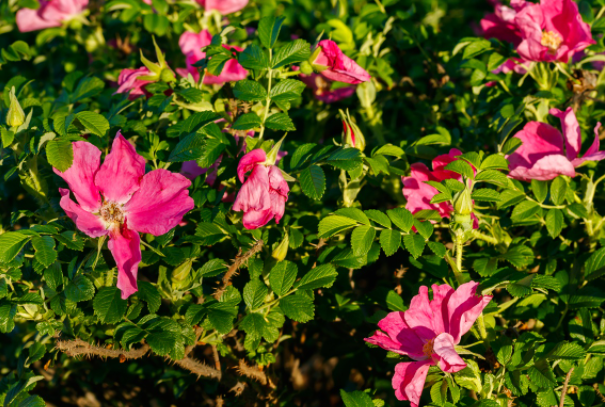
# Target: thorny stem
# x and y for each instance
(268, 100)
(564, 391)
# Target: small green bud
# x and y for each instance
(272, 155)
(15, 116)
(181, 276)
(352, 133)
(463, 203)
(280, 252)
(167, 75)
(313, 58)
(306, 68)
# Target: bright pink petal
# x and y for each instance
(254, 198)
(543, 169)
(121, 172)
(441, 295)
(444, 353)
(129, 82)
(439, 163)
(493, 26)
(419, 316)
(160, 204)
(191, 43)
(338, 66)
(593, 153)
(30, 20)
(530, 21)
(80, 176)
(224, 6)
(254, 219)
(249, 161)
(408, 381)
(84, 220)
(124, 245)
(418, 194)
(464, 307)
(571, 131)
(398, 337)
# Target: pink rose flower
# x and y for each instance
(51, 13)
(428, 333)
(552, 31)
(516, 65)
(129, 81)
(223, 6)
(191, 44)
(418, 193)
(322, 88)
(264, 194)
(118, 199)
(501, 23)
(542, 155)
(333, 64)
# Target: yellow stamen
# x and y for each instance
(552, 41)
(427, 348)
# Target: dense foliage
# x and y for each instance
(302, 202)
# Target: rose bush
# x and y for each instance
(313, 203)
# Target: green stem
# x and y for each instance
(481, 325)
(459, 248)
(484, 237)
(268, 100)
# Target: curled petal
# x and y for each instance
(408, 380)
(464, 307)
(254, 219)
(441, 295)
(80, 176)
(84, 220)
(444, 353)
(398, 337)
(593, 153)
(339, 67)
(544, 169)
(160, 203)
(571, 131)
(121, 172)
(419, 316)
(254, 198)
(249, 162)
(124, 245)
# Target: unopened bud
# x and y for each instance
(167, 75)
(463, 203)
(306, 68)
(312, 60)
(181, 276)
(352, 133)
(15, 116)
(280, 252)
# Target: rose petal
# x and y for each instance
(444, 353)
(126, 250)
(419, 316)
(464, 307)
(160, 203)
(571, 131)
(121, 172)
(249, 161)
(398, 337)
(88, 223)
(408, 381)
(80, 176)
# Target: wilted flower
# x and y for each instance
(552, 31)
(329, 60)
(542, 155)
(264, 193)
(118, 199)
(428, 333)
(52, 13)
(191, 45)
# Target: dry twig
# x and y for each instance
(565, 385)
(237, 263)
(78, 347)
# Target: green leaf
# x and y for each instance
(88, 87)
(587, 297)
(36, 352)
(247, 121)
(402, 218)
(71, 240)
(53, 276)
(109, 306)
(80, 289)
(313, 182)
(362, 239)
(254, 325)
(221, 315)
(492, 177)
(540, 189)
(595, 265)
(331, 225)
(253, 58)
(356, 399)
(298, 307)
(162, 342)
(318, 277)
(470, 376)
(425, 229)
(150, 294)
(390, 241)
(554, 222)
(282, 276)
(212, 268)
(60, 154)
(525, 211)
(280, 121)
(287, 89)
(379, 217)
(461, 167)
(249, 90)
(519, 256)
(485, 195)
(7, 315)
(268, 30)
(291, 53)
(189, 148)
(31, 401)
(192, 124)
(355, 214)
(208, 234)
(494, 162)
(11, 244)
(567, 351)
(347, 159)
(414, 243)
(254, 293)
(94, 122)
(542, 375)
(45, 250)
(558, 190)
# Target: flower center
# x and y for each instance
(551, 40)
(111, 213)
(427, 348)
